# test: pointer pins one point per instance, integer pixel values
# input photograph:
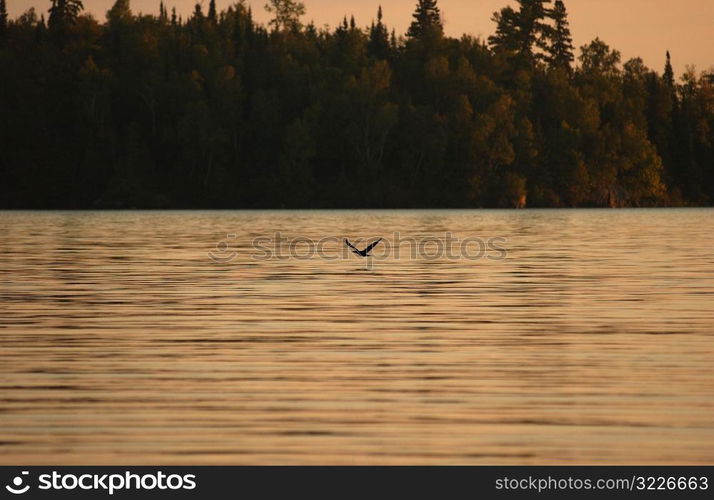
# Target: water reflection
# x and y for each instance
(121, 342)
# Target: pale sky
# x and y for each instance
(645, 28)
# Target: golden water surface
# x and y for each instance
(122, 342)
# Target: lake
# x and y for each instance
(570, 337)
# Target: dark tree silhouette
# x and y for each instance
(507, 26)
(520, 32)
(63, 14)
(286, 14)
(212, 15)
(668, 76)
(427, 21)
(149, 112)
(559, 42)
(198, 12)
(379, 38)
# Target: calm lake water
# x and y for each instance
(122, 342)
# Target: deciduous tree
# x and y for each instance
(286, 14)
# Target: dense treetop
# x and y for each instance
(218, 111)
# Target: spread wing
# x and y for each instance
(354, 248)
(372, 245)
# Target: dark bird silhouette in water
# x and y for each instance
(365, 252)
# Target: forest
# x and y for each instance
(215, 110)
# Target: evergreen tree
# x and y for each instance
(63, 14)
(342, 29)
(559, 49)
(212, 15)
(506, 37)
(427, 21)
(378, 44)
(198, 12)
(664, 130)
(521, 32)
(243, 27)
(287, 14)
(668, 76)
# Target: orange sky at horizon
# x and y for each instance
(644, 28)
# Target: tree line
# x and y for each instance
(218, 111)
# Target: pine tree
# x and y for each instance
(64, 13)
(668, 76)
(378, 44)
(198, 12)
(427, 21)
(559, 46)
(520, 32)
(212, 14)
(341, 30)
(506, 37)
(243, 28)
(163, 15)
